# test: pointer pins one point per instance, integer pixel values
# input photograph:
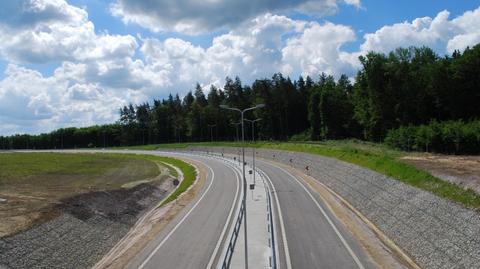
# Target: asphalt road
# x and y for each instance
(309, 235)
(312, 237)
(191, 240)
(315, 238)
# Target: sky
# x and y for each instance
(76, 62)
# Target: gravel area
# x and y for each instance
(88, 226)
(435, 232)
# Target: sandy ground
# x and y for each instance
(461, 170)
(382, 251)
(149, 226)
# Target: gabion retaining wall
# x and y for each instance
(75, 239)
(435, 232)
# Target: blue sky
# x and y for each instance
(75, 62)
(372, 15)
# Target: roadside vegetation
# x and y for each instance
(375, 156)
(451, 137)
(408, 99)
(189, 177)
(80, 171)
(391, 91)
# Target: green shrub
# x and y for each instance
(451, 137)
(304, 136)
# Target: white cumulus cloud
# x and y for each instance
(199, 16)
(98, 72)
(40, 31)
(440, 33)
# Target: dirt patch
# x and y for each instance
(463, 171)
(85, 228)
(115, 205)
(382, 251)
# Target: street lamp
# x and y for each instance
(243, 170)
(236, 137)
(104, 138)
(236, 129)
(253, 140)
(211, 131)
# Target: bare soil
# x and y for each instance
(463, 171)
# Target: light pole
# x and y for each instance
(243, 170)
(211, 131)
(236, 129)
(253, 140)
(104, 139)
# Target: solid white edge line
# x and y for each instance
(237, 172)
(274, 215)
(237, 212)
(282, 225)
(337, 232)
(235, 202)
(179, 223)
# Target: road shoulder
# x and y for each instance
(153, 223)
(382, 251)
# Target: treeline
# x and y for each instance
(94, 136)
(451, 137)
(414, 86)
(406, 87)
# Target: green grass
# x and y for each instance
(189, 176)
(81, 171)
(140, 147)
(74, 170)
(374, 156)
(32, 183)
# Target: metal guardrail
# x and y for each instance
(273, 263)
(271, 227)
(233, 239)
(238, 223)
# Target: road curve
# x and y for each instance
(191, 239)
(315, 238)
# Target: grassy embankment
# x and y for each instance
(31, 183)
(189, 176)
(376, 157)
(189, 173)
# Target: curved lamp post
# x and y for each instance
(253, 139)
(242, 112)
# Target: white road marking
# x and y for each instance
(179, 223)
(282, 225)
(217, 247)
(236, 172)
(337, 232)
